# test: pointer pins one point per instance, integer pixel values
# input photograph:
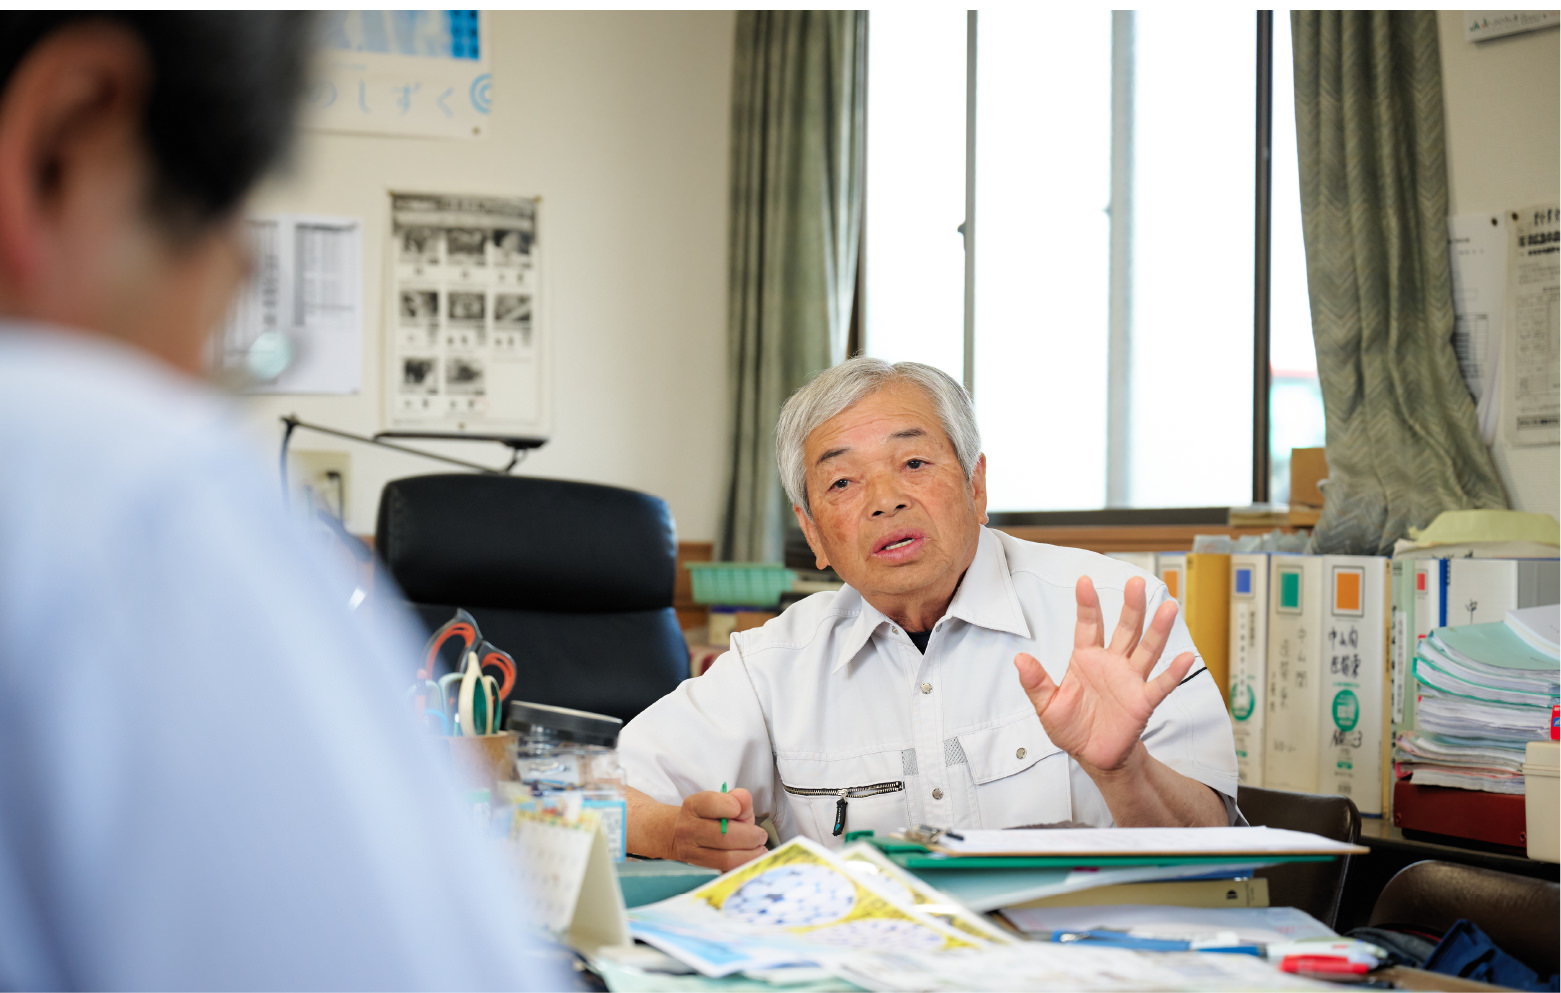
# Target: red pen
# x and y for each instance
(1322, 964)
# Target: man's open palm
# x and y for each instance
(1100, 710)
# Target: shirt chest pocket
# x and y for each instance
(830, 797)
(1020, 778)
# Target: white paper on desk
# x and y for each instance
(1031, 965)
(307, 283)
(1532, 375)
(1256, 925)
(1173, 842)
(1477, 248)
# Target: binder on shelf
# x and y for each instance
(1481, 591)
(1143, 560)
(1171, 567)
(1207, 603)
(1248, 662)
(1295, 633)
(1354, 754)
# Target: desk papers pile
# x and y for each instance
(802, 917)
(1484, 692)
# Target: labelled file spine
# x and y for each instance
(1353, 733)
(1248, 662)
(1294, 650)
(1207, 603)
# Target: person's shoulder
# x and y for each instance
(107, 439)
(84, 392)
(803, 627)
(1059, 565)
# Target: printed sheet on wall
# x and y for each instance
(402, 72)
(465, 340)
(296, 326)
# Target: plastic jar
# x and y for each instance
(568, 759)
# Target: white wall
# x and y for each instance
(1503, 107)
(620, 122)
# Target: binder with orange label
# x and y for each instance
(1353, 736)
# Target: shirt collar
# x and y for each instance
(985, 598)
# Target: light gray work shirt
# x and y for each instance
(832, 701)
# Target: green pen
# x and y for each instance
(723, 820)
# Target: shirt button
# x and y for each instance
(937, 794)
(1019, 754)
(926, 687)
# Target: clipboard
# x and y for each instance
(926, 848)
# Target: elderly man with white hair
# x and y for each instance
(962, 678)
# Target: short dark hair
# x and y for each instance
(224, 94)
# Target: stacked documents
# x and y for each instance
(1484, 692)
(803, 916)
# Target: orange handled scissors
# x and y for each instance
(463, 626)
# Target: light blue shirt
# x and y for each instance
(207, 776)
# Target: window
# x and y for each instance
(1111, 281)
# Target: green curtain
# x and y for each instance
(798, 104)
(1403, 441)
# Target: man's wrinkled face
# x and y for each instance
(893, 512)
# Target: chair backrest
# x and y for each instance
(1519, 913)
(575, 580)
(1314, 887)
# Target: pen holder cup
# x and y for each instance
(483, 760)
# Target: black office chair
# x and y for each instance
(1519, 913)
(572, 579)
(1314, 887)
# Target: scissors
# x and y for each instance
(493, 656)
(467, 701)
(463, 626)
(429, 701)
(478, 702)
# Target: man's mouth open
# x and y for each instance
(898, 545)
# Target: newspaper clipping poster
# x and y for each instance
(465, 342)
(1533, 382)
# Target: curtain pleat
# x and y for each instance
(1403, 440)
(798, 104)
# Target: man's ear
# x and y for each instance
(978, 488)
(810, 532)
(72, 107)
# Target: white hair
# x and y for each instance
(853, 381)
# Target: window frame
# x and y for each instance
(1262, 384)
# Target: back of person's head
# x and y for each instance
(223, 93)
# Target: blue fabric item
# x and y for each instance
(210, 780)
(1469, 953)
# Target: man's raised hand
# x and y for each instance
(1099, 711)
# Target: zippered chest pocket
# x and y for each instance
(842, 797)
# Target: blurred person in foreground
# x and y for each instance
(209, 778)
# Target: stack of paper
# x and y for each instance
(1484, 692)
(804, 915)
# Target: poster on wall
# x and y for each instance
(296, 326)
(464, 335)
(1477, 247)
(402, 72)
(1533, 372)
